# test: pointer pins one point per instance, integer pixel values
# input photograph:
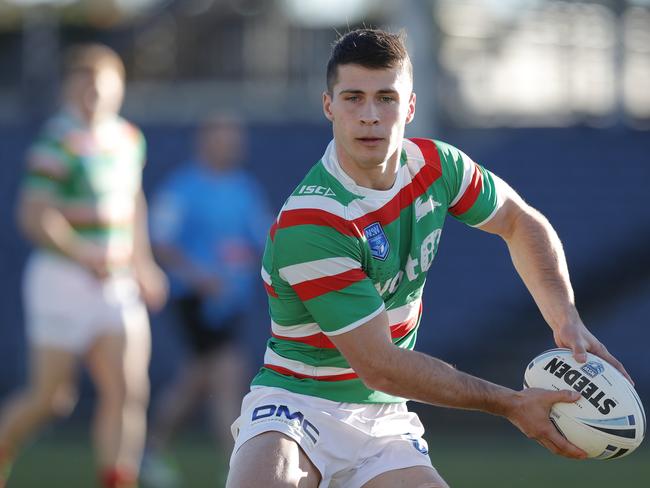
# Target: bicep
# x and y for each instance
(32, 204)
(31, 211)
(512, 207)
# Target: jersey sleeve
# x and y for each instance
(47, 166)
(473, 192)
(322, 267)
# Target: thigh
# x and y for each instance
(414, 477)
(271, 460)
(57, 316)
(118, 356)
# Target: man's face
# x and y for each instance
(369, 109)
(222, 145)
(95, 92)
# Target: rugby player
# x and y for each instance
(87, 282)
(344, 267)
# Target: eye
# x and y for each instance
(352, 98)
(386, 99)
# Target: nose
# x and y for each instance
(369, 114)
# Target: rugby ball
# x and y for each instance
(608, 422)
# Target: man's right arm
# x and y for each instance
(383, 366)
(175, 260)
(45, 226)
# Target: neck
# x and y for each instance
(375, 176)
(87, 118)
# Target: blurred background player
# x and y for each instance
(83, 209)
(209, 223)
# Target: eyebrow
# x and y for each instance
(361, 92)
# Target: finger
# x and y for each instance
(549, 445)
(555, 449)
(564, 447)
(563, 396)
(605, 354)
(579, 351)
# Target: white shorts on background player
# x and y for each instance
(349, 443)
(66, 307)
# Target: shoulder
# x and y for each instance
(318, 200)
(51, 153)
(433, 151)
(132, 132)
(55, 129)
(314, 219)
(446, 159)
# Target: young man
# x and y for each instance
(83, 208)
(344, 269)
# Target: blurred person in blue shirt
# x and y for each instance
(209, 225)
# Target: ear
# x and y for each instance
(327, 106)
(411, 108)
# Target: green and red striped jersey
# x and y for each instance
(92, 175)
(339, 254)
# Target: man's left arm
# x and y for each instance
(538, 257)
(152, 280)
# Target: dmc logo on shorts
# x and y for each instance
(279, 411)
(593, 368)
(377, 240)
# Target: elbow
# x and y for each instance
(378, 382)
(369, 378)
(377, 374)
(521, 217)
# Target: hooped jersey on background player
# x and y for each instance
(339, 254)
(92, 175)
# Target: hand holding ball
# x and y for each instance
(608, 422)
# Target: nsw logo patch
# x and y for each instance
(377, 240)
(593, 368)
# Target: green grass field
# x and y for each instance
(61, 459)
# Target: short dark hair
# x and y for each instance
(91, 57)
(370, 48)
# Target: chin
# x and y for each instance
(379, 154)
(372, 160)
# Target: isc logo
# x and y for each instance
(316, 190)
(279, 411)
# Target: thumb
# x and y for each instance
(565, 396)
(579, 352)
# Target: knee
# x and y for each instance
(63, 402)
(59, 403)
(125, 391)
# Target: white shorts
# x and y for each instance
(66, 307)
(349, 443)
